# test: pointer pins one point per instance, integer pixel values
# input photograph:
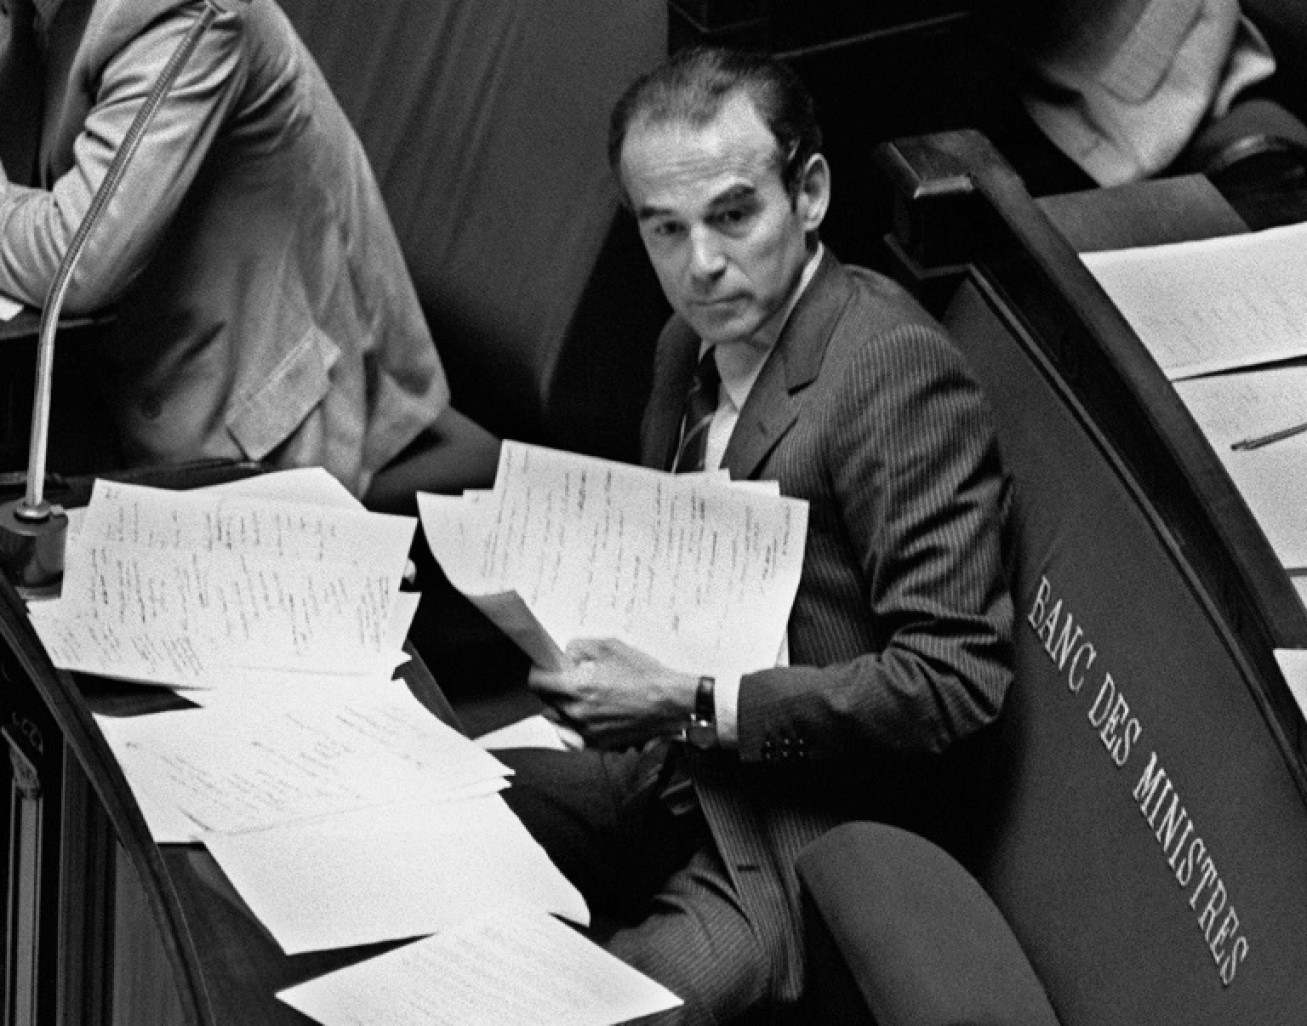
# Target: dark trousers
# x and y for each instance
(662, 898)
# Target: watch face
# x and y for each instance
(701, 733)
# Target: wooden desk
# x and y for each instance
(104, 926)
(1148, 836)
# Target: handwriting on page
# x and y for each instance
(1214, 304)
(201, 522)
(182, 583)
(229, 773)
(691, 570)
(283, 608)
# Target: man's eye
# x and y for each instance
(732, 217)
(665, 229)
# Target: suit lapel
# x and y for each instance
(773, 406)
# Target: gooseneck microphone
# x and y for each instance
(32, 530)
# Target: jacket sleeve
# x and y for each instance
(906, 444)
(37, 225)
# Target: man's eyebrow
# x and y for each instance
(649, 211)
(734, 194)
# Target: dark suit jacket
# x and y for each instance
(900, 632)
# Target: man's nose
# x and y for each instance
(707, 261)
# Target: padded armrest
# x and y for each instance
(922, 941)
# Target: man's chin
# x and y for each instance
(717, 331)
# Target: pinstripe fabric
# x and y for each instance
(900, 633)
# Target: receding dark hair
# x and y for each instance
(693, 84)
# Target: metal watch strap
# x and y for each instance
(702, 731)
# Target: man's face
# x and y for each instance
(725, 239)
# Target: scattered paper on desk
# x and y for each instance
(9, 308)
(1242, 405)
(695, 572)
(160, 520)
(1213, 304)
(1273, 478)
(166, 822)
(391, 873)
(231, 769)
(174, 587)
(519, 969)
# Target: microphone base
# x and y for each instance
(32, 548)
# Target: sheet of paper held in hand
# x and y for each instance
(690, 569)
(1213, 304)
(523, 968)
(173, 587)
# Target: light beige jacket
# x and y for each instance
(263, 306)
(1120, 86)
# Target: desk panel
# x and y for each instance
(1148, 840)
(1135, 749)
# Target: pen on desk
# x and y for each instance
(1257, 441)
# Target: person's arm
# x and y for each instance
(36, 225)
(914, 465)
(454, 453)
(910, 450)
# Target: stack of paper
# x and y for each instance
(201, 588)
(1226, 320)
(341, 810)
(1214, 304)
(693, 570)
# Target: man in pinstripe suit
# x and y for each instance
(835, 383)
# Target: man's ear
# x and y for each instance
(813, 196)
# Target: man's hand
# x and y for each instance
(615, 695)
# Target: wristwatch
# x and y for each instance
(702, 729)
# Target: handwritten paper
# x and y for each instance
(1214, 304)
(1273, 478)
(519, 969)
(391, 873)
(341, 810)
(230, 769)
(690, 569)
(174, 587)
